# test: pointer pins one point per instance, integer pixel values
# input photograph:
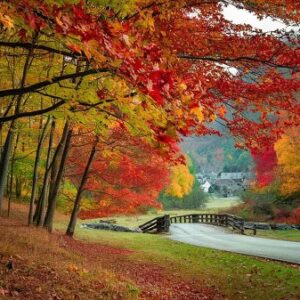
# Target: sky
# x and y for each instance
(242, 16)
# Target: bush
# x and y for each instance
(292, 217)
(195, 200)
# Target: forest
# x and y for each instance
(97, 95)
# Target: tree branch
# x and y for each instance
(56, 79)
(39, 47)
(32, 113)
(235, 59)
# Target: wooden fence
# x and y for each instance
(157, 225)
(162, 224)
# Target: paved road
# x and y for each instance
(223, 239)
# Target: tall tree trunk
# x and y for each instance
(54, 192)
(35, 171)
(18, 188)
(5, 157)
(6, 153)
(57, 158)
(76, 207)
(40, 208)
(12, 164)
(1, 124)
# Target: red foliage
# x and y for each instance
(180, 62)
(265, 164)
(292, 217)
(126, 175)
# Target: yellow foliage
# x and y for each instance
(198, 112)
(5, 20)
(288, 154)
(181, 181)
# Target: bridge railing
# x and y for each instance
(215, 219)
(156, 225)
(162, 224)
(225, 220)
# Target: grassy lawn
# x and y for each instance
(236, 276)
(216, 202)
(288, 235)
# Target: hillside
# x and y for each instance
(213, 154)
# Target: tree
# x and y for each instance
(160, 69)
(122, 173)
(184, 191)
(288, 151)
(76, 207)
(265, 166)
(153, 50)
(181, 181)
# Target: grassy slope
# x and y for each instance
(237, 276)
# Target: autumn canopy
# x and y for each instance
(116, 78)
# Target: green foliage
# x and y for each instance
(66, 197)
(121, 7)
(267, 194)
(235, 160)
(213, 153)
(23, 170)
(194, 200)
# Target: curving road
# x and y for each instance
(223, 239)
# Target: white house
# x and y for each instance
(206, 186)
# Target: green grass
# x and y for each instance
(288, 235)
(216, 202)
(237, 276)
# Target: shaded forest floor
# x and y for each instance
(112, 265)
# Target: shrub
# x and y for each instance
(292, 217)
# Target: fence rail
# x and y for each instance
(162, 224)
(157, 225)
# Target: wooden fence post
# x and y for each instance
(242, 227)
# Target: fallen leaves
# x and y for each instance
(64, 268)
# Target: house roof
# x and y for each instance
(235, 175)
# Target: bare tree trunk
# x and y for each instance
(57, 157)
(12, 164)
(40, 208)
(5, 157)
(76, 207)
(5, 162)
(18, 188)
(35, 171)
(1, 124)
(54, 191)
